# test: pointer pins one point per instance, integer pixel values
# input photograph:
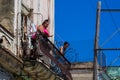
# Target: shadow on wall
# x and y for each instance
(7, 14)
(1, 40)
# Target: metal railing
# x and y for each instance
(103, 76)
(47, 48)
(101, 59)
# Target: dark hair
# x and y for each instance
(66, 43)
(45, 21)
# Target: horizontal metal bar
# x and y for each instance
(109, 49)
(110, 10)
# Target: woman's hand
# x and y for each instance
(51, 36)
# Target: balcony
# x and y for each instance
(40, 68)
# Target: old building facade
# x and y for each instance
(16, 17)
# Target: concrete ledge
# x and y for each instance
(82, 65)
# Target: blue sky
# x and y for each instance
(75, 22)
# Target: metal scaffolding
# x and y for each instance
(96, 46)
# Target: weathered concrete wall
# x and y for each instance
(85, 74)
(7, 14)
(81, 65)
(42, 10)
(82, 71)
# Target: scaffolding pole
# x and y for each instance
(96, 41)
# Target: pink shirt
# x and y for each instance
(46, 32)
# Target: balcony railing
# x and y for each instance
(50, 56)
(46, 48)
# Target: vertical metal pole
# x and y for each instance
(29, 37)
(19, 28)
(96, 41)
(101, 58)
(15, 25)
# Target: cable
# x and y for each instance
(118, 29)
(111, 16)
(110, 37)
(112, 62)
(116, 59)
(70, 50)
(59, 37)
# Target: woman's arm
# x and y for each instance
(47, 33)
(40, 28)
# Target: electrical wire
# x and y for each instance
(59, 37)
(111, 16)
(110, 37)
(114, 33)
(116, 59)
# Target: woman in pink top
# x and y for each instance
(44, 31)
(43, 28)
